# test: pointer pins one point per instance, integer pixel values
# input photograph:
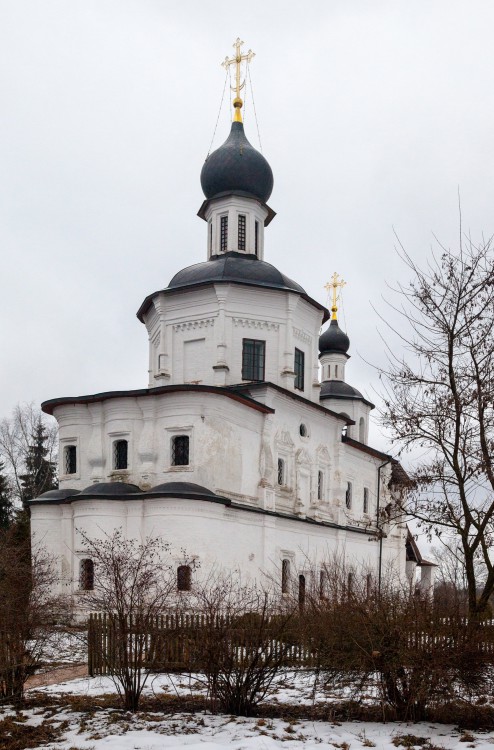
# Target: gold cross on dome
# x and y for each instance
(332, 286)
(237, 60)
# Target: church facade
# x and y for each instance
(248, 448)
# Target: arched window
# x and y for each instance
(120, 454)
(86, 575)
(184, 578)
(348, 495)
(361, 430)
(301, 590)
(285, 576)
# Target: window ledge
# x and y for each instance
(179, 468)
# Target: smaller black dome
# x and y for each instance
(181, 488)
(334, 339)
(111, 488)
(236, 166)
(339, 389)
(57, 494)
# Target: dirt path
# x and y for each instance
(61, 674)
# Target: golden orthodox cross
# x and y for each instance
(237, 60)
(332, 286)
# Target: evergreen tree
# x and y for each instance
(6, 505)
(40, 473)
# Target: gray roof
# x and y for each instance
(338, 389)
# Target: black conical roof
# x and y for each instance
(236, 167)
(334, 339)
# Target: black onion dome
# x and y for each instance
(232, 266)
(334, 339)
(236, 166)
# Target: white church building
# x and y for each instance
(248, 448)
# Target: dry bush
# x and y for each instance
(29, 610)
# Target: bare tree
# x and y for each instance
(439, 401)
(29, 610)
(133, 584)
(17, 436)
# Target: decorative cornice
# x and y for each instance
(248, 323)
(302, 335)
(191, 325)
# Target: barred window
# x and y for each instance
(120, 454)
(70, 459)
(348, 495)
(301, 590)
(285, 576)
(184, 578)
(256, 237)
(299, 368)
(253, 359)
(180, 450)
(366, 500)
(224, 234)
(241, 232)
(320, 485)
(86, 575)
(281, 472)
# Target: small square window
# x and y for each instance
(180, 450)
(70, 459)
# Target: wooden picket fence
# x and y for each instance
(169, 642)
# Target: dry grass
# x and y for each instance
(16, 735)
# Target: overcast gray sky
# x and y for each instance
(371, 113)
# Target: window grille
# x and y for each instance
(285, 576)
(299, 368)
(184, 578)
(320, 484)
(86, 575)
(224, 234)
(366, 500)
(256, 237)
(323, 584)
(281, 472)
(253, 359)
(120, 454)
(348, 495)
(180, 450)
(301, 590)
(70, 459)
(241, 232)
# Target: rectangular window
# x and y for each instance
(281, 472)
(285, 576)
(180, 450)
(184, 578)
(210, 236)
(120, 454)
(323, 584)
(70, 459)
(224, 234)
(86, 575)
(320, 484)
(299, 369)
(348, 495)
(256, 237)
(253, 358)
(366, 500)
(241, 233)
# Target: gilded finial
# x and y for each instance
(332, 287)
(237, 60)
